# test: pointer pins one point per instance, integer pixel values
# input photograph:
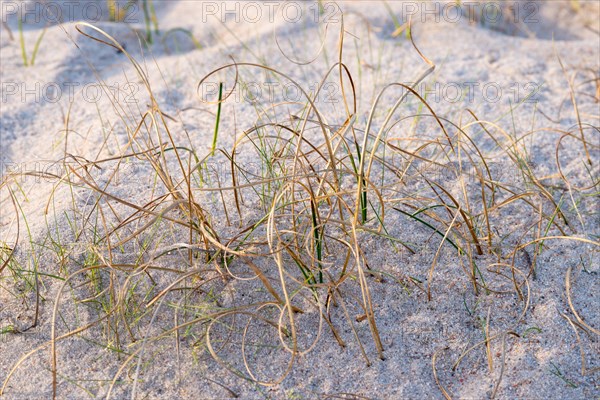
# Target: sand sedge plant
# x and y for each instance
(217, 121)
(26, 60)
(150, 19)
(118, 13)
(195, 216)
(400, 27)
(318, 193)
(114, 13)
(31, 274)
(559, 374)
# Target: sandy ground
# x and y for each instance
(498, 63)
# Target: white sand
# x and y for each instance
(515, 57)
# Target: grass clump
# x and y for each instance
(295, 221)
(29, 61)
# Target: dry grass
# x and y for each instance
(295, 222)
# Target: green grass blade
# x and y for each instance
(216, 135)
(37, 46)
(22, 40)
(431, 227)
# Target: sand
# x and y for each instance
(501, 63)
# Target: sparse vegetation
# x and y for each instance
(287, 223)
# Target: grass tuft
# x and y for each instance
(190, 250)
